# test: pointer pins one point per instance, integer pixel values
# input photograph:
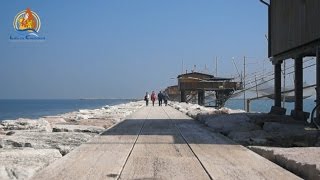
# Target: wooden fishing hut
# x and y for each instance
(199, 83)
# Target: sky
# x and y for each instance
(123, 48)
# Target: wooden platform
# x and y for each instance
(162, 143)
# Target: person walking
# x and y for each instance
(153, 97)
(146, 98)
(160, 98)
(165, 98)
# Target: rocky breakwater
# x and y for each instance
(291, 144)
(253, 128)
(28, 145)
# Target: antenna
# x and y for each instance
(235, 66)
(244, 82)
(216, 66)
(182, 66)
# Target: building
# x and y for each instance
(195, 85)
(294, 33)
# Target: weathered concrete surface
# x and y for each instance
(303, 161)
(223, 158)
(100, 158)
(161, 152)
(25, 162)
(162, 143)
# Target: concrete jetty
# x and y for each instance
(162, 143)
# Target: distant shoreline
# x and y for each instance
(70, 99)
(11, 109)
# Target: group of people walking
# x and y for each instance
(162, 97)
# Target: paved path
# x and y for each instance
(162, 143)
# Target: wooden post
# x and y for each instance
(244, 82)
(201, 95)
(277, 84)
(183, 96)
(318, 82)
(298, 84)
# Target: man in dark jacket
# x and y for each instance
(160, 98)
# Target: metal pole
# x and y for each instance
(318, 81)
(216, 66)
(182, 67)
(255, 78)
(298, 83)
(284, 84)
(277, 84)
(244, 82)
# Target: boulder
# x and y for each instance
(261, 118)
(45, 140)
(226, 123)
(287, 135)
(26, 124)
(256, 137)
(24, 163)
(77, 128)
(301, 161)
(105, 123)
(117, 112)
(193, 113)
(2, 132)
(54, 120)
(10, 133)
(202, 117)
(283, 127)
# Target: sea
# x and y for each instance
(264, 105)
(14, 109)
(11, 109)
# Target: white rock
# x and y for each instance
(226, 123)
(31, 133)
(301, 161)
(24, 163)
(77, 128)
(26, 124)
(54, 119)
(44, 140)
(256, 137)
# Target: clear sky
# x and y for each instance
(123, 48)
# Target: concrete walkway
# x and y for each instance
(162, 143)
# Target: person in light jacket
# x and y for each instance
(146, 98)
(153, 97)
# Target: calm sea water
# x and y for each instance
(264, 105)
(13, 109)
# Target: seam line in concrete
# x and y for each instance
(122, 168)
(204, 168)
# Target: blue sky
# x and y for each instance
(120, 49)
